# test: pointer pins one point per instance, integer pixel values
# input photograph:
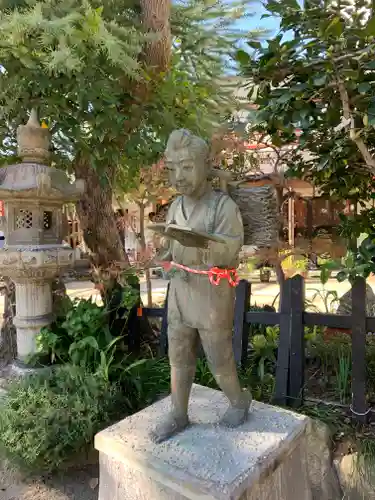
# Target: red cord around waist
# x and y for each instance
(215, 274)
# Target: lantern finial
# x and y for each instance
(33, 140)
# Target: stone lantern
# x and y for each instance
(34, 253)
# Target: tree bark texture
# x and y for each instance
(156, 19)
(280, 275)
(96, 215)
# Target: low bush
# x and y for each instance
(47, 418)
(76, 338)
(144, 381)
(82, 337)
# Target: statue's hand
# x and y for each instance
(186, 239)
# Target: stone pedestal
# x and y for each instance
(265, 459)
(34, 311)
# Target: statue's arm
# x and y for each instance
(164, 252)
(229, 226)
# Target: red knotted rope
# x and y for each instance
(215, 274)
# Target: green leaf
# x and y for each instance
(285, 97)
(276, 141)
(335, 27)
(320, 80)
(254, 44)
(293, 4)
(342, 276)
(364, 87)
(371, 115)
(370, 26)
(273, 6)
(349, 260)
(243, 57)
(362, 270)
(134, 365)
(325, 274)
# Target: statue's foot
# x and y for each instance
(237, 415)
(171, 426)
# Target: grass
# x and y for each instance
(343, 376)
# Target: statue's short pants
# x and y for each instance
(184, 342)
(195, 302)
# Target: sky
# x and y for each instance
(254, 21)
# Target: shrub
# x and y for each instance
(329, 350)
(144, 381)
(81, 338)
(47, 418)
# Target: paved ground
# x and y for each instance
(262, 293)
(72, 485)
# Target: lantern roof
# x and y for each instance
(33, 179)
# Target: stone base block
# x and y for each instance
(264, 459)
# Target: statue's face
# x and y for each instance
(187, 172)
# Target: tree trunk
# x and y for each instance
(280, 275)
(142, 241)
(156, 19)
(96, 215)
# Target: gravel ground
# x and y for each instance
(75, 484)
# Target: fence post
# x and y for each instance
(163, 339)
(282, 368)
(297, 342)
(241, 328)
(359, 404)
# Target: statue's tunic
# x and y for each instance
(193, 301)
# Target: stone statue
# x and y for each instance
(204, 232)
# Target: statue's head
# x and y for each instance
(186, 158)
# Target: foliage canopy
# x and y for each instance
(317, 76)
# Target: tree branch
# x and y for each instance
(354, 136)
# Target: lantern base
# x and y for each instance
(33, 312)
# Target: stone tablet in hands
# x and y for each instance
(186, 236)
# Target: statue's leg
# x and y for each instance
(219, 352)
(182, 347)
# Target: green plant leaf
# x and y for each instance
(370, 26)
(285, 97)
(341, 276)
(254, 44)
(320, 80)
(335, 27)
(325, 274)
(243, 57)
(371, 115)
(364, 87)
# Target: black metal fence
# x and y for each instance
(292, 318)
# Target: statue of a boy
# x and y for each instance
(197, 308)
